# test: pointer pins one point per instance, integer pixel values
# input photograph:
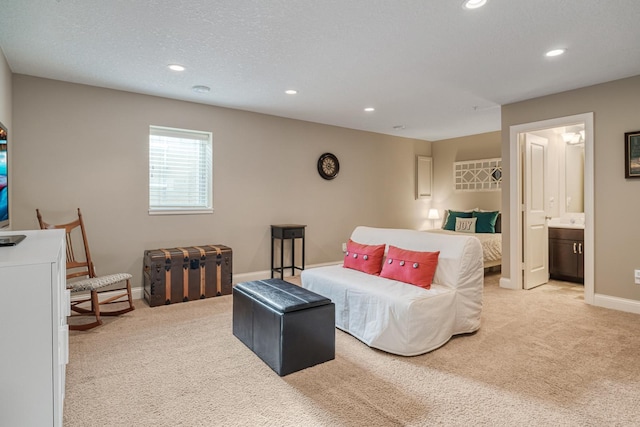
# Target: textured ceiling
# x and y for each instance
(429, 65)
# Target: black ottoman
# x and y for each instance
(290, 328)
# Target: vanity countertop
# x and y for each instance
(573, 226)
(565, 223)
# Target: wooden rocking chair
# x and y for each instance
(84, 271)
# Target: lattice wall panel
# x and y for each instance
(478, 175)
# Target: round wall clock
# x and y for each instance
(328, 166)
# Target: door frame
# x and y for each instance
(515, 190)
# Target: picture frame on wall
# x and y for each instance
(632, 154)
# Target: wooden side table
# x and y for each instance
(287, 232)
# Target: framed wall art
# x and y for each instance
(478, 175)
(632, 154)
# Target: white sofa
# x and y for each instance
(398, 317)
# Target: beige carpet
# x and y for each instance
(541, 358)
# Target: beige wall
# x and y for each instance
(5, 91)
(615, 108)
(5, 110)
(448, 151)
(87, 147)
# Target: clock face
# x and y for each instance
(328, 166)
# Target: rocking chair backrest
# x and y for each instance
(86, 301)
(79, 265)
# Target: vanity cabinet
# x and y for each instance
(34, 336)
(566, 254)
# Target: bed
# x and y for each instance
(491, 241)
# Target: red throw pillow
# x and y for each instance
(416, 268)
(365, 258)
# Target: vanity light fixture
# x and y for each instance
(573, 138)
(555, 52)
(473, 4)
(290, 91)
(176, 67)
(369, 109)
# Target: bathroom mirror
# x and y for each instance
(574, 178)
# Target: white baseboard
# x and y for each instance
(621, 304)
(266, 274)
(605, 301)
(505, 282)
(138, 292)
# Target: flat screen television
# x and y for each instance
(4, 178)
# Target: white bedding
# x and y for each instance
(397, 317)
(491, 244)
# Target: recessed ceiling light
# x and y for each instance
(398, 127)
(473, 4)
(176, 67)
(369, 109)
(290, 91)
(555, 52)
(201, 89)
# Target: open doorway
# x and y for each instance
(533, 204)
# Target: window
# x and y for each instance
(180, 171)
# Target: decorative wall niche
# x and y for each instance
(424, 177)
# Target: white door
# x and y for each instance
(536, 237)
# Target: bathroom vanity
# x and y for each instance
(566, 253)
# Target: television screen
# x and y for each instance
(4, 179)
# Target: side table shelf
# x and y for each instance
(286, 232)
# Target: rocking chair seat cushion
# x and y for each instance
(94, 283)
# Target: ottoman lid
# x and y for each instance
(282, 296)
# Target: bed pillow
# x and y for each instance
(450, 224)
(415, 268)
(486, 221)
(446, 215)
(466, 225)
(365, 258)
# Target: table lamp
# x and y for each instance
(433, 215)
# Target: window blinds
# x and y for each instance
(180, 170)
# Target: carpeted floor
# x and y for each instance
(541, 358)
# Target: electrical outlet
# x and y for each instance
(637, 276)
(344, 249)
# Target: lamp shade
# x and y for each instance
(433, 214)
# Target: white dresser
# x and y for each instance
(34, 335)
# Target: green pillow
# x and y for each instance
(451, 219)
(486, 221)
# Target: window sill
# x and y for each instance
(180, 211)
